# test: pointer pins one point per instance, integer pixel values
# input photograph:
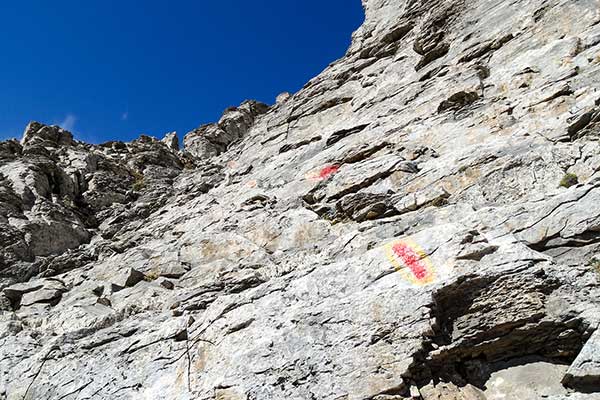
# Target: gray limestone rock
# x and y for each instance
(129, 277)
(213, 139)
(584, 373)
(172, 141)
(283, 97)
(50, 296)
(395, 229)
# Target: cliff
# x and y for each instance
(421, 220)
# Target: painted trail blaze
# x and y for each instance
(323, 173)
(411, 261)
(327, 171)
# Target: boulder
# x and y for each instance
(127, 278)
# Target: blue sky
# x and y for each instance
(111, 70)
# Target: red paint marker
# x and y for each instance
(328, 171)
(411, 259)
(323, 173)
(411, 262)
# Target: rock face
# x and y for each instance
(396, 229)
(213, 139)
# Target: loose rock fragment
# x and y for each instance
(129, 277)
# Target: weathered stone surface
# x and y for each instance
(172, 141)
(394, 229)
(47, 296)
(584, 373)
(129, 277)
(46, 291)
(283, 97)
(54, 191)
(533, 380)
(50, 136)
(213, 139)
(449, 391)
(15, 292)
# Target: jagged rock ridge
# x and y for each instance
(421, 220)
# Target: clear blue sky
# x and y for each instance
(111, 70)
